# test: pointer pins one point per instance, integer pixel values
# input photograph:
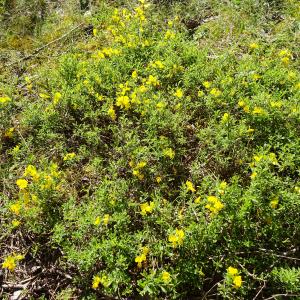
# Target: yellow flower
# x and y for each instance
(9, 132)
(134, 74)
(9, 263)
(158, 64)
(139, 259)
(232, 271)
(106, 219)
(4, 99)
(285, 60)
(15, 208)
(197, 200)
(178, 93)
(214, 204)
(274, 203)
(160, 105)
(215, 92)
(225, 118)
(123, 102)
(200, 93)
(69, 156)
(258, 111)
(237, 281)
(169, 35)
(207, 84)
(95, 31)
(146, 208)
(169, 152)
(273, 159)
(256, 76)
(57, 96)
(190, 186)
(112, 113)
(253, 175)
(141, 165)
(137, 173)
(152, 80)
(145, 250)
(223, 185)
(284, 53)
(177, 238)
(22, 184)
(166, 277)
(253, 46)
(15, 223)
(241, 103)
(31, 171)
(246, 109)
(96, 282)
(97, 221)
(44, 96)
(158, 179)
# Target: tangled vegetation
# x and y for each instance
(158, 156)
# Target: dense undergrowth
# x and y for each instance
(157, 157)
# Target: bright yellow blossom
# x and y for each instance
(152, 80)
(69, 156)
(158, 179)
(215, 92)
(178, 93)
(15, 223)
(9, 263)
(253, 46)
(225, 118)
(139, 259)
(96, 282)
(190, 186)
(207, 84)
(146, 208)
(177, 238)
(214, 204)
(15, 208)
(237, 281)
(169, 152)
(274, 203)
(112, 113)
(169, 35)
(97, 221)
(197, 200)
(166, 277)
(258, 111)
(57, 96)
(123, 102)
(134, 74)
(9, 132)
(232, 271)
(106, 219)
(4, 100)
(22, 183)
(11, 260)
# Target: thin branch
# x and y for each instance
(204, 297)
(284, 295)
(263, 286)
(36, 51)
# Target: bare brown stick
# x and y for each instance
(284, 295)
(36, 51)
(260, 290)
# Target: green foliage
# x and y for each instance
(158, 164)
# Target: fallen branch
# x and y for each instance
(36, 51)
(284, 295)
